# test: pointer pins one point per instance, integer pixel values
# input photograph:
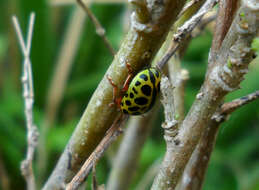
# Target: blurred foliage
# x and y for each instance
(235, 161)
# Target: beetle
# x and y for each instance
(140, 94)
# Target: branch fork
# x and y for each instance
(28, 95)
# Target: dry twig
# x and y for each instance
(188, 6)
(185, 30)
(32, 132)
(99, 29)
(195, 171)
(110, 137)
(126, 160)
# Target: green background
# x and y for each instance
(235, 161)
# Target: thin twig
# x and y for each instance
(99, 29)
(196, 169)
(228, 108)
(111, 135)
(27, 81)
(185, 31)
(187, 6)
(149, 175)
(94, 180)
(208, 19)
(128, 154)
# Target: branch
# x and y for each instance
(195, 171)
(226, 14)
(99, 29)
(111, 136)
(32, 132)
(127, 157)
(149, 175)
(224, 77)
(138, 49)
(185, 31)
(230, 107)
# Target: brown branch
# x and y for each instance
(226, 14)
(126, 160)
(110, 137)
(195, 171)
(226, 75)
(228, 108)
(188, 5)
(28, 95)
(99, 29)
(184, 31)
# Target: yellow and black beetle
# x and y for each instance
(141, 93)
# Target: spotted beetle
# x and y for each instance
(140, 94)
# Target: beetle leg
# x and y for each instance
(128, 79)
(115, 91)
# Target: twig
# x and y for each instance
(99, 29)
(127, 158)
(210, 17)
(185, 30)
(94, 180)
(228, 108)
(187, 6)
(111, 135)
(32, 132)
(149, 175)
(197, 166)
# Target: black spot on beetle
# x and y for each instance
(128, 103)
(136, 92)
(137, 83)
(131, 95)
(135, 108)
(141, 101)
(146, 89)
(125, 111)
(152, 77)
(143, 76)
